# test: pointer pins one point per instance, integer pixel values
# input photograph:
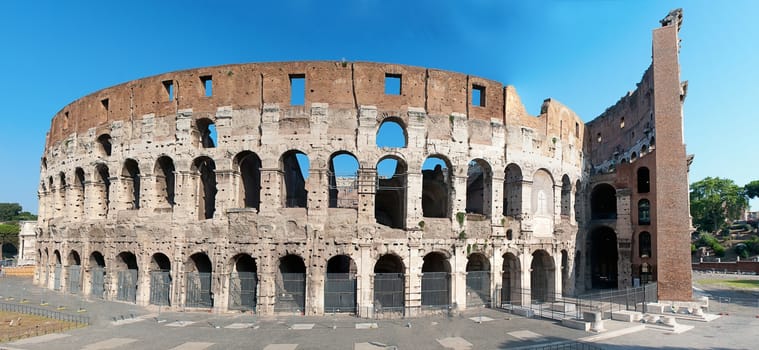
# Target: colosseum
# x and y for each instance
(365, 188)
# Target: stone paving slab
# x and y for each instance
(525, 335)
(41, 339)
(456, 343)
(281, 347)
(193, 346)
(302, 326)
(109, 344)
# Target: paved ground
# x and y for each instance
(127, 326)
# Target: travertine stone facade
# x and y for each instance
(191, 189)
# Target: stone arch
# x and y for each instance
(391, 132)
(243, 283)
(512, 191)
(436, 281)
(160, 279)
(198, 281)
(57, 270)
(390, 197)
(389, 284)
(164, 172)
(340, 285)
(477, 280)
(207, 137)
(105, 146)
(97, 274)
(542, 203)
(204, 169)
(102, 189)
(644, 245)
(479, 187)
(249, 189)
(127, 276)
(295, 167)
(130, 179)
(291, 285)
(603, 257)
(603, 202)
(79, 192)
(343, 180)
(511, 280)
(542, 280)
(437, 189)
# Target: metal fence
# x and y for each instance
(160, 287)
(436, 290)
(243, 291)
(340, 293)
(127, 286)
(478, 288)
(389, 293)
(70, 321)
(97, 282)
(747, 307)
(572, 345)
(291, 293)
(42, 312)
(198, 290)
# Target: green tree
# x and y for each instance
(8, 234)
(752, 189)
(8, 211)
(714, 201)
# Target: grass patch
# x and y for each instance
(24, 326)
(732, 284)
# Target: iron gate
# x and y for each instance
(389, 292)
(75, 279)
(340, 293)
(127, 286)
(243, 290)
(97, 282)
(199, 290)
(160, 287)
(57, 277)
(436, 289)
(291, 292)
(478, 288)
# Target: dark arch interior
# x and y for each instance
(477, 262)
(603, 258)
(341, 264)
(603, 202)
(207, 130)
(390, 198)
(207, 169)
(96, 259)
(295, 181)
(435, 262)
(389, 263)
(541, 269)
(201, 262)
(74, 259)
(250, 172)
(160, 262)
(245, 263)
(436, 180)
(292, 264)
(131, 173)
(9, 250)
(129, 260)
(644, 180)
(105, 143)
(165, 179)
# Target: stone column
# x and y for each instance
(525, 261)
(458, 275)
(624, 238)
(413, 280)
(413, 199)
(365, 276)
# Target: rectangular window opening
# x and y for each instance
(392, 84)
(297, 89)
(577, 129)
(169, 86)
(478, 95)
(207, 85)
(104, 102)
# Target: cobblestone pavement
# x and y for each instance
(118, 325)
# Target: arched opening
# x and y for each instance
(644, 212)
(477, 281)
(564, 272)
(578, 208)
(127, 277)
(340, 285)
(130, 178)
(249, 193)
(104, 141)
(74, 272)
(542, 288)
(103, 189)
(633, 157)
(57, 270)
(511, 280)
(60, 199)
(389, 284)
(603, 202)
(542, 203)
(79, 193)
(436, 281)
(479, 188)
(391, 133)
(243, 283)
(603, 258)
(644, 180)
(204, 169)
(512, 192)
(343, 180)
(295, 167)
(206, 133)
(164, 182)
(390, 198)
(97, 275)
(566, 195)
(198, 282)
(644, 245)
(291, 285)
(436, 187)
(160, 280)
(8, 251)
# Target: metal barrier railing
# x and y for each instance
(42, 312)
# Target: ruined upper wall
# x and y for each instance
(341, 85)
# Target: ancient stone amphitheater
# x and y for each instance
(321, 187)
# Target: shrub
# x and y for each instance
(719, 250)
(741, 250)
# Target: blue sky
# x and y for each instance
(586, 54)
